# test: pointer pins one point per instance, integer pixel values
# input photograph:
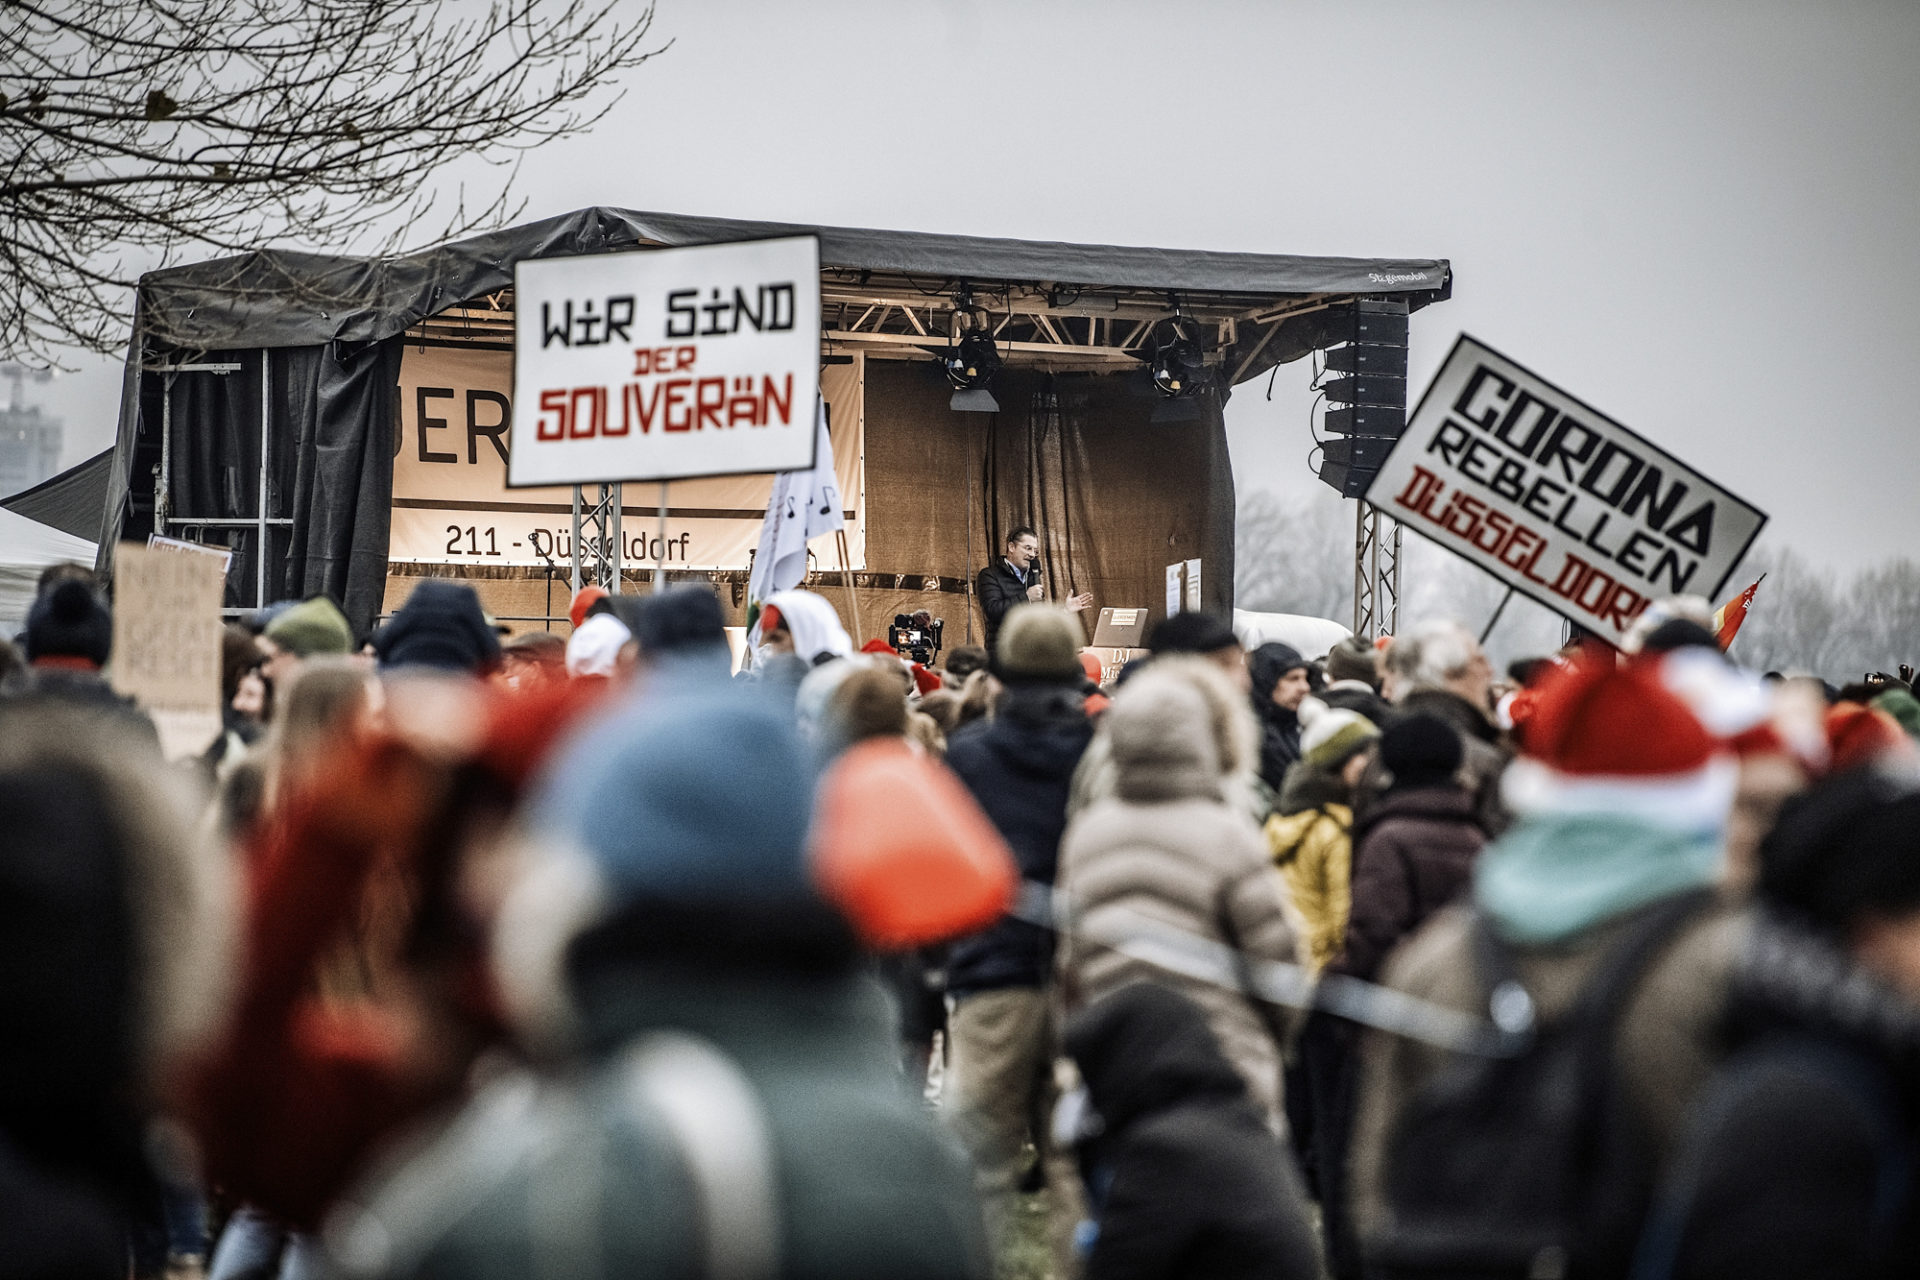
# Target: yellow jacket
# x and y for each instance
(1313, 850)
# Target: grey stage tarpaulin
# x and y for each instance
(70, 501)
(333, 325)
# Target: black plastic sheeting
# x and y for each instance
(282, 299)
(71, 501)
(329, 469)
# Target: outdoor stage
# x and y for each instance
(337, 422)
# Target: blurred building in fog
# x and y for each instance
(29, 440)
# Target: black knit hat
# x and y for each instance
(441, 626)
(1191, 633)
(682, 619)
(70, 622)
(1848, 848)
(1420, 751)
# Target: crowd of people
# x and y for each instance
(457, 953)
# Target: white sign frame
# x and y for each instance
(707, 357)
(1490, 476)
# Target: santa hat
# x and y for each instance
(1858, 735)
(1617, 741)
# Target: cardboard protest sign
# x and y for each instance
(663, 364)
(1553, 497)
(166, 641)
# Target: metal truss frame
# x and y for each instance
(596, 537)
(1376, 572)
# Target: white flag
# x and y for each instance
(804, 505)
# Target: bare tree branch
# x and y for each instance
(137, 133)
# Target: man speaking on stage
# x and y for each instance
(1015, 579)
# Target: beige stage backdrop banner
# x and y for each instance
(451, 504)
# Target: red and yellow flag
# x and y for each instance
(1728, 617)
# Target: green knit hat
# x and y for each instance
(1332, 737)
(1902, 706)
(310, 627)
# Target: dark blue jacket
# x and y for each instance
(1019, 766)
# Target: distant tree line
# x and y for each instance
(1295, 555)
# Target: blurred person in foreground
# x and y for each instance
(114, 946)
(1594, 917)
(1168, 850)
(1183, 1175)
(1439, 668)
(1800, 1158)
(1002, 1034)
(1412, 856)
(725, 1098)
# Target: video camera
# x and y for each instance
(916, 636)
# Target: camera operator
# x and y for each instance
(1015, 579)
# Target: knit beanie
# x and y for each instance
(685, 619)
(1847, 848)
(1039, 642)
(1333, 736)
(310, 627)
(70, 622)
(1900, 703)
(1420, 751)
(1353, 659)
(699, 797)
(440, 626)
(1191, 633)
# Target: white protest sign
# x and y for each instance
(1173, 587)
(1553, 497)
(1193, 586)
(166, 641)
(664, 364)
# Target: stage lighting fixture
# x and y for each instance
(971, 365)
(1179, 367)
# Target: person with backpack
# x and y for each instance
(1593, 941)
(1802, 1156)
(1183, 1176)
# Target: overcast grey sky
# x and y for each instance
(1697, 217)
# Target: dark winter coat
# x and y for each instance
(1019, 766)
(1279, 727)
(828, 1163)
(1484, 758)
(1803, 1150)
(1413, 856)
(1185, 1178)
(1001, 587)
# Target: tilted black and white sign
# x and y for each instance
(663, 364)
(1552, 496)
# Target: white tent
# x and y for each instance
(27, 547)
(1310, 637)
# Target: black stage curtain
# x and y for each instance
(329, 468)
(1115, 497)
